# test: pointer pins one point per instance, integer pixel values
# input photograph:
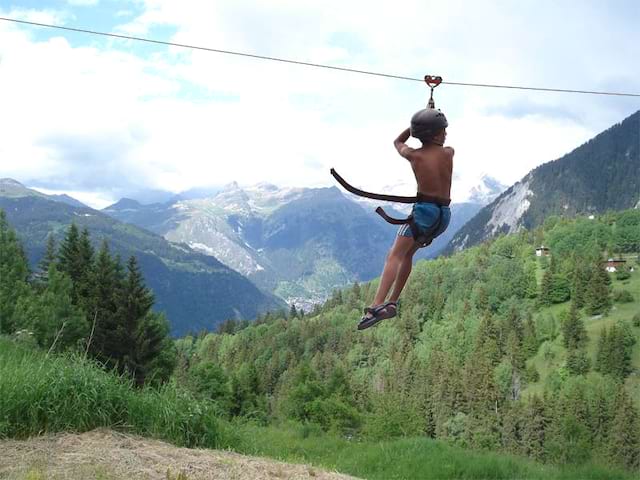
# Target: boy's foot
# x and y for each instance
(373, 315)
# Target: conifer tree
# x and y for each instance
(577, 361)
(534, 429)
(14, 273)
(488, 339)
(531, 288)
(545, 288)
(155, 356)
(103, 306)
(614, 354)
(514, 352)
(134, 303)
(598, 296)
(573, 331)
(530, 341)
(602, 352)
(560, 290)
(70, 260)
(50, 255)
(624, 438)
(86, 254)
(579, 281)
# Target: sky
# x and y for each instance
(102, 118)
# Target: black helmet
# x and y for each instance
(427, 122)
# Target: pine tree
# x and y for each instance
(134, 304)
(624, 437)
(488, 339)
(577, 361)
(573, 331)
(14, 272)
(534, 429)
(103, 306)
(531, 288)
(86, 254)
(560, 289)
(598, 296)
(545, 288)
(50, 256)
(155, 356)
(614, 354)
(69, 260)
(530, 341)
(579, 283)
(602, 352)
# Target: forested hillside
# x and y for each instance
(600, 175)
(494, 348)
(195, 291)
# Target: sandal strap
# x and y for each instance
(375, 310)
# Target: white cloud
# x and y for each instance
(191, 118)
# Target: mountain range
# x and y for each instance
(602, 174)
(300, 243)
(195, 291)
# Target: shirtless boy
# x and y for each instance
(432, 165)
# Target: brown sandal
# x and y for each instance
(377, 314)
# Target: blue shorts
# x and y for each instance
(426, 216)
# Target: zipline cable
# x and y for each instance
(308, 64)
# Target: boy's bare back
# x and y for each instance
(432, 166)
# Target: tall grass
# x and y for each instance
(51, 394)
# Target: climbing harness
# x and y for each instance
(422, 237)
(426, 121)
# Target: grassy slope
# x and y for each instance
(407, 458)
(46, 395)
(594, 326)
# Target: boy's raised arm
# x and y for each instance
(402, 148)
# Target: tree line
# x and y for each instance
(84, 300)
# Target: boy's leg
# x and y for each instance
(403, 273)
(400, 249)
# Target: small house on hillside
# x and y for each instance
(542, 251)
(613, 264)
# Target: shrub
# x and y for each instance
(622, 296)
(623, 274)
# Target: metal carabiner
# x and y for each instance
(432, 82)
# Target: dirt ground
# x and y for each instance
(106, 455)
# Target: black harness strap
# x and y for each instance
(421, 237)
(420, 197)
(375, 196)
